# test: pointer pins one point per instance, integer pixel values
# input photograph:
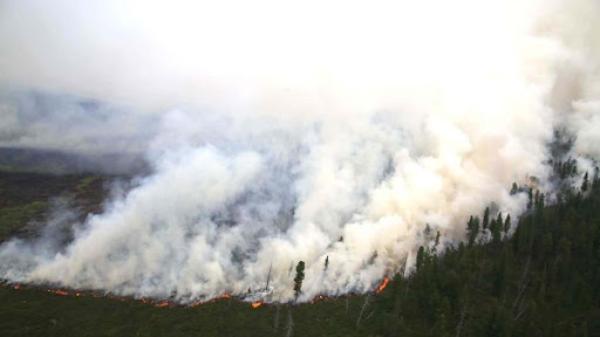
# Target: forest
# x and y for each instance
(541, 281)
(537, 276)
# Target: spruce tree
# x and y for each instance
(486, 218)
(584, 185)
(515, 189)
(507, 224)
(472, 229)
(299, 278)
(496, 229)
(420, 257)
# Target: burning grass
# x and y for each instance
(161, 303)
(33, 311)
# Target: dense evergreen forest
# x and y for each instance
(540, 277)
(542, 281)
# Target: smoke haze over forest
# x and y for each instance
(275, 132)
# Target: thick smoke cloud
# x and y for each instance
(281, 131)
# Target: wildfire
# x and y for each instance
(195, 304)
(166, 304)
(382, 285)
(59, 292)
(319, 298)
(225, 296)
(149, 301)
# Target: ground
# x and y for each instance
(27, 198)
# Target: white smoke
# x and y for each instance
(299, 131)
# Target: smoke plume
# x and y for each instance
(286, 131)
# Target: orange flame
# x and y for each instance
(162, 304)
(59, 292)
(17, 286)
(256, 305)
(382, 285)
(224, 296)
(196, 303)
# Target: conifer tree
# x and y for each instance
(515, 189)
(299, 278)
(486, 218)
(507, 224)
(584, 185)
(496, 229)
(472, 229)
(420, 257)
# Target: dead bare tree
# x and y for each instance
(276, 317)
(362, 310)
(268, 278)
(518, 306)
(290, 323)
(347, 303)
(461, 321)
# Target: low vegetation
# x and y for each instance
(543, 280)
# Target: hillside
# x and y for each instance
(542, 281)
